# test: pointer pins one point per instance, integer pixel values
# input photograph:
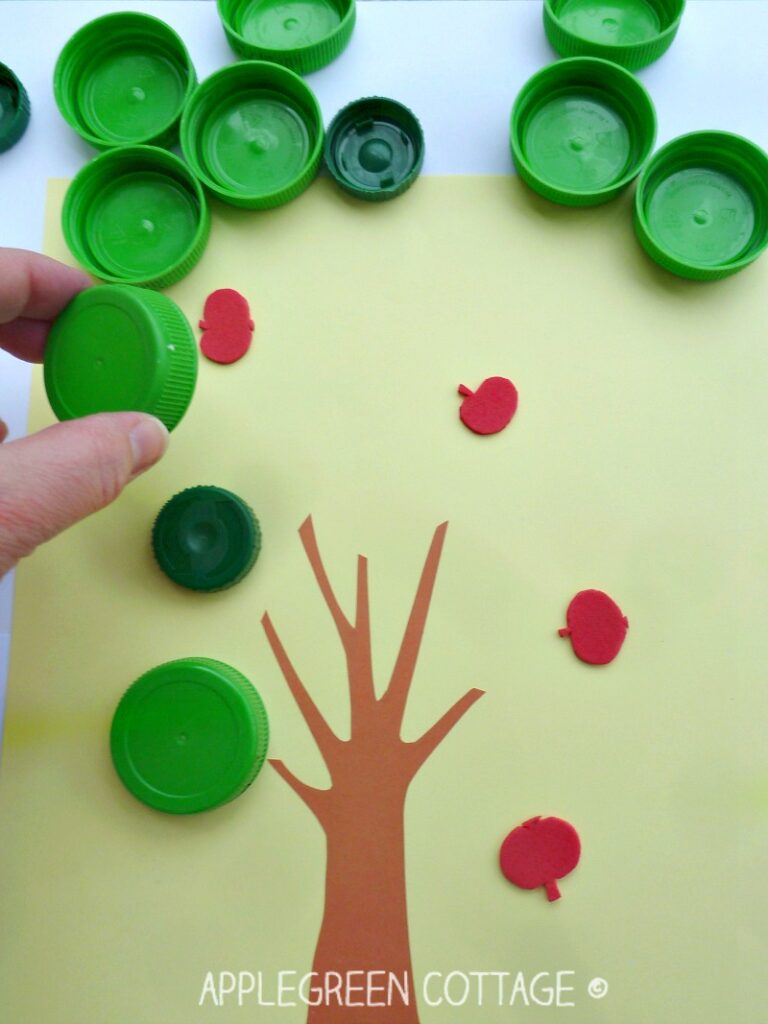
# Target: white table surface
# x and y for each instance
(457, 63)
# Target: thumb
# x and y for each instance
(53, 479)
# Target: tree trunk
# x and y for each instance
(362, 970)
(365, 922)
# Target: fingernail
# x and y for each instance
(149, 439)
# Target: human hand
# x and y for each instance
(53, 479)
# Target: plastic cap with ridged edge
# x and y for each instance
(253, 133)
(206, 538)
(136, 215)
(303, 35)
(701, 205)
(117, 348)
(189, 735)
(124, 79)
(374, 148)
(633, 33)
(581, 130)
(14, 109)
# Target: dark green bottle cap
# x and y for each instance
(303, 35)
(374, 148)
(206, 538)
(136, 215)
(581, 130)
(14, 109)
(253, 134)
(701, 205)
(189, 736)
(632, 33)
(116, 348)
(124, 79)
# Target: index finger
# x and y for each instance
(33, 291)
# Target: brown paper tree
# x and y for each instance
(365, 921)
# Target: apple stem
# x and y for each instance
(553, 893)
(464, 390)
(565, 631)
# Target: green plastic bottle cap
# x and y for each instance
(253, 133)
(581, 130)
(123, 79)
(374, 148)
(303, 35)
(136, 215)
(206, 538)
(189, 736)
(116, 348)
(630, 32)
(14, 109)
(701, 205)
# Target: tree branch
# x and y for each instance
(309, 540)
(362, 692)
(362, 612)
(356, 640)
(423, 747)
(402, 674)
(325, 738)
(312, 797)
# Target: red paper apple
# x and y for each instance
(538, 852)
(489, 409)
(227, 325)
(596, 626)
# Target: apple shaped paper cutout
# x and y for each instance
(539, 852)
(489, 409)
(227, 326)
(596, 625)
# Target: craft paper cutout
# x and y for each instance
(596, 625)
(365, 921)
(227, 326)
(538, 852)
(489, 409)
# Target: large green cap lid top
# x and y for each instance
(253, 134)
(303, 35)
(581, 130)
(14, 109)
(136, 215)
(117, 348)
(374, 148)
(206, 538)
(189, 736)
(124, 78)
(630, 32)
(701, 205)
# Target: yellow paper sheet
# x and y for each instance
(635, 464)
